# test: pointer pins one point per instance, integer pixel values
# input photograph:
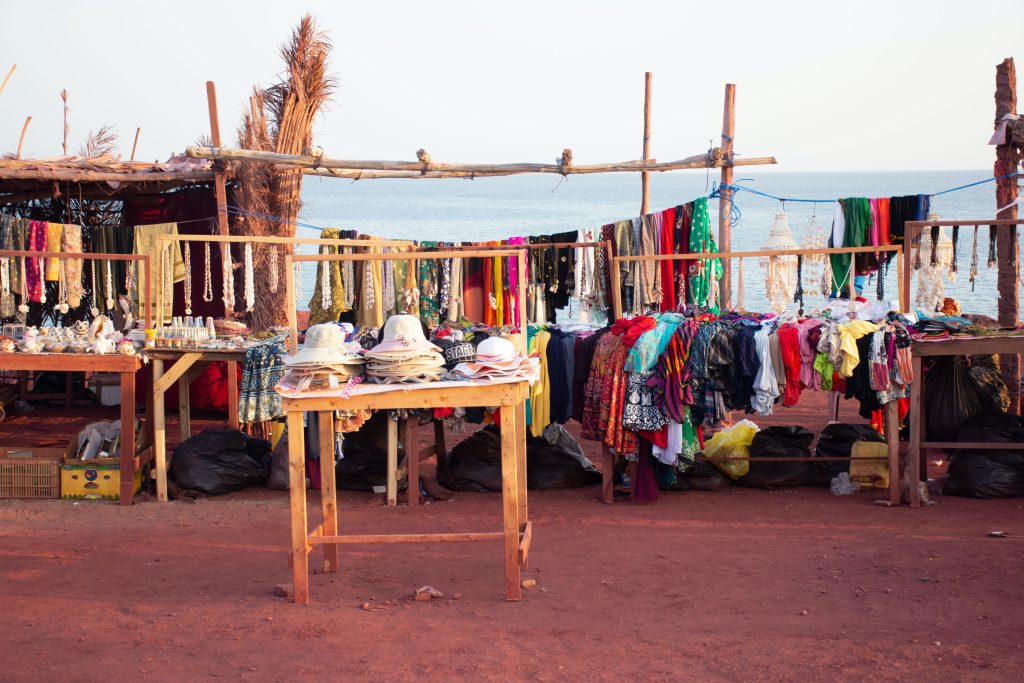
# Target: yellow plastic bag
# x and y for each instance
(733, 442)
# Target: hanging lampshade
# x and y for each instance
(933, 272)
(780, 271)
(814, 237)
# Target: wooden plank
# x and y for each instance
(510, 504)
(786, 458)
(407, 538)
(127, 437)
(759, 253)
(412, 461)
(725, 197)
(232, 394)
(297, 499)
(392, 465)
(916, 427)
(184, 410)
(470, 396)
(267, 239)
(607, 475)
(69, 362)
(175, 372)
(159, 418)
(960, 346)
(328, 490)
(909, 232)
(410, 255)
(892, 438)
(520, 415)
(525, 539)
(974, 445)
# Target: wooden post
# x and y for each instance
(725, 197)
(232, 394)
(21, 140)
(328, 489)
(917, 426)
(135, 145)
(218, 179)
(391, 492)
(645, 177)
(64, 98)
(159, 432)
(8, 77)
(510, 501)
(1006, 237)
(127, 437)
(892, 438)
(297, 497)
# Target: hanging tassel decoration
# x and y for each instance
(798, 293)
(207, 274)
(273, 269)
(188, 277)
(326, 300)
(956, 240)
(228, 290)
(974, 259)
(883, 272)
(991, 245)
(935, 245)
(250, 279)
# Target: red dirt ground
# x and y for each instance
(733, 585)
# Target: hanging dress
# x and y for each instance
(704, 273)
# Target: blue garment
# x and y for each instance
(648, 348)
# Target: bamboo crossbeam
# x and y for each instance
(320, 162)
(763, 252)
(409, 255)
(76, 176)
(264, 239)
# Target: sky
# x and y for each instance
(822, 86)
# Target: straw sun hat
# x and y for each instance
(324, 345)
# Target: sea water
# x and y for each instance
(497, 208)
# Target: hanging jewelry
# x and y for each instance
(95, 310)
(326, 300)
(23, 306)
(389, 285)
(62, 290)
(956, 242)
(348, 280)
(228, 289)
(370, 298)
(207, 274)
(273, 269)
(110, 287)
(188, 278)
(6, 298)
(935, 245)
(991, 245)
(974, 259)
(168, 278)
(298, 281)
(798, 292)
(250, 279)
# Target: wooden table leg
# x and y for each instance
(159, 418)
(412, 460)
(520, 415)
(391, 494)
(607, 475)
(297, 497)
(127, 437)
(232, 394)
(510, 503)
(916, 426)
(328, 489)
(892, 437)
(184, 410)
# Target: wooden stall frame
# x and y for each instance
(891, 412)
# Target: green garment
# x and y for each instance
(857, 224)
(823, 366)
(317, 312)
(702, 271)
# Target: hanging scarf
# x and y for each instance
(704, 273)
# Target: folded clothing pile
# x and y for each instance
(496, 358)
(404, 354)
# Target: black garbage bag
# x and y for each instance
(704, 476)
(988, 474)
(951, 398)
(779, 442)
(836, 441)
(475, 464)
(278, 479)
(220, 461)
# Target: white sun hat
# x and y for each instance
(324, 345)
(403, 332)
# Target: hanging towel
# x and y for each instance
(72, 244)
(54, 232)
(146, 244)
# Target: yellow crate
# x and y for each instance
(94, 480)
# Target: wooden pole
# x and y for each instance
(64, 98)
(348, 168)
(7, 77)
(218, 179)
(645, 176)
(21, 140)
(135, 145)
(1006, 238)
(725, 197)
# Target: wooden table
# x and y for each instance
(186, 364)
(952, 346)
(517, 530)
(125, 366)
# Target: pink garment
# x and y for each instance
(513, 279)
(808, 377)
(34, 266)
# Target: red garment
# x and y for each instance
(631, 328)
(473, 290)
(34, 266)
(668, 284)
(789, 347)
(883, 221)
(490, 313)
(658, 438)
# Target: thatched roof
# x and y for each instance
(105, 175)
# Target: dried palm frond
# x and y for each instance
(280, 118)
(101, 143)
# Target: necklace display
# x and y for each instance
(229, 281)
(273, 269)
(188, 278)
(110, 287)
(348, 280)
(23, 306)
(6, 298)
(207, 274)
(250, 279)
(95, 310)
(298, 281)
(326, 300)
(62, 290)
(168, 283)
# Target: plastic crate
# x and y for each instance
(94, 479)
(30, 472)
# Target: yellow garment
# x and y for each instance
(849, 333)
(72, 244)
(317, 313)
(54, 232)
(540, 392)
(146, 243)
(499, 294)
(371, 314)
